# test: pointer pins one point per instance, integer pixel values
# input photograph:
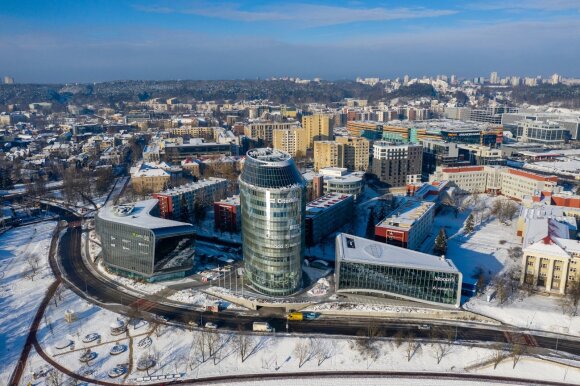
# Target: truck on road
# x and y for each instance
(295, 316)
(262, 327)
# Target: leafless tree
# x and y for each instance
(244, 343)
(412, 345)
(517, 350)
(498, 354)
(399, 338)
(302, 351)
(443, 344)
(200, 343)
(33, 263)
(572, 297)
(214, 344)
(325, 350)
(54, 377)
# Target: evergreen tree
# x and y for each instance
(370, 232)
(469, 224)
(440, 243)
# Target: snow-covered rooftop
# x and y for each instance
(360, 250)
(138, 215)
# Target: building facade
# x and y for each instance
(179, 203)
(373, 268)
(356, 153)
(327, 214)
(273, 201)
(408, 225)
(227, 214)
(137, 244)
(293, 141)
(397, 165)
(328, 154)
(318, 128)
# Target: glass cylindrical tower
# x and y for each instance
(273, 202)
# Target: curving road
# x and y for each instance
(88, 285)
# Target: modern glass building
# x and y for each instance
(273, 202)
(374, 268)
(137, 244)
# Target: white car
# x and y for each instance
(211, 325)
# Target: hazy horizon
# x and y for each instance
(85, 42)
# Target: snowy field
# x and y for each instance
(179, 352)
(19, 294)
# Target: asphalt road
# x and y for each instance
(75, 271)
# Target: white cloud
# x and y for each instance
(310, 15)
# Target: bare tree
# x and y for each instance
(54, 377)
(243, 343)
(573, 296)
(302, 351)
(517, 350)
(498, 354)
(33, 263)
(399, 338)
(200, 343)
(412, 345)
(443, 345)
(325, 350)
(214, 344)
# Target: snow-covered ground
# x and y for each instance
(176, 351)
(19, 294)
(536, 312)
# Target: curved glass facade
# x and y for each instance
(273, 202)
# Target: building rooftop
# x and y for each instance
(139, 215)
(193, 186)
(360, 250)
(406, 214)
(325, 202)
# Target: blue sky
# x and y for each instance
(85, 41)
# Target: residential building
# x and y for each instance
(318, 128)
(328, 154)
(356, 153)
(138, 244)
(397, 165)
(147, 178)
(293, 141)
(264, 130)
(180, 203)
(227, 214)
(376, 269)
(195, 148)
(326, 215)
(408, 225)
(273, 202)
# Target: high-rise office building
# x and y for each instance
(273, 203)
(293, 141)
(8, 80)
(494, 78)
(318, 128)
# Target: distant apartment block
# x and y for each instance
(293, 141)
(179, 203)
(318, 128)
(356, 153)
(264, 130)
(408, 225)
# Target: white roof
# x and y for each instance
(360, 250)
(555, 246)
(138, 215)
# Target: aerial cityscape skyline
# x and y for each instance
(70, 41)
(266, 193)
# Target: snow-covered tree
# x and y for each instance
(469, 224)
(440, 243)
